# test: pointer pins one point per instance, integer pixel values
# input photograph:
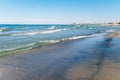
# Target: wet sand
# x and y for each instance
(114, 35)
(94, 58)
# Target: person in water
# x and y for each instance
(3, 29)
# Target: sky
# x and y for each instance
(58, 11)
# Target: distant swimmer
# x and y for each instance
(3, 29)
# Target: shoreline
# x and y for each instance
(114, 35)
(10, 52)
(81, 59)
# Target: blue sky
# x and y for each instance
(58, 11)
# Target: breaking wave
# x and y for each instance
(40, 44)
(36, 32)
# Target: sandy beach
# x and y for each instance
(59, 40)
(94, 58)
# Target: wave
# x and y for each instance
(70, 38)
(111, 30)
(31, 32)
(79, 37)
(19, 33)
(36, 32)
(15, 50)
(39, 32)
(50, 30)
(40, 44)
(52, 27)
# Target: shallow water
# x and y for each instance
(55, 62)
(22, 37)
(94, 58)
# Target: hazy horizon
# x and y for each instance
(58, 12)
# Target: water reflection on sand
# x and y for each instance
(95, 58)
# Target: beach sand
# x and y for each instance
(114, 35)
(94, 58)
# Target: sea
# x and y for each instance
(20, 37)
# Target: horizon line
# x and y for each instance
(56, 23)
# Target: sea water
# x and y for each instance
(21, 37)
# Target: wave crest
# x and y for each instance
(36, 32)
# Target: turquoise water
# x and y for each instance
(20, 37)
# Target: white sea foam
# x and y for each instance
(13, 49)
(36, 32)
(66, 29)
(74, 38)
(91, 28)
(70, 38)
(50, 31)
(52, 27)
(111, 30)
(32, 45)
